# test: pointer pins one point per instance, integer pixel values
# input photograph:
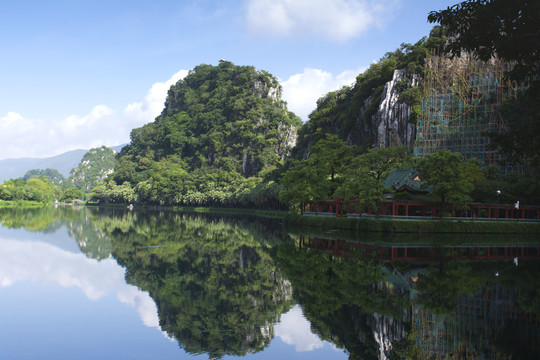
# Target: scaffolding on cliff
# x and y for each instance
(462, 97)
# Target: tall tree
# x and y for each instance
(505, 28)
(363, 178)
(319, 176)
(447, 174)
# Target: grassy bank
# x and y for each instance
(411, 226)
(237, 211)
(24, 204)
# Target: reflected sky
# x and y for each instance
(55, 303)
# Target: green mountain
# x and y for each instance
(16, 168)
(53, 175)
(381, 108)
(94, 167)
(223, 127)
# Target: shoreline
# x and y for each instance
(357, 225)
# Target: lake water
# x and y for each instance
(89, 283)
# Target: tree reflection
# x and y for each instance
(92, 241)
(220, 283)
(375, 307)
(217, 291)
(348, 301)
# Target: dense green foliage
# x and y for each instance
(94, 167)
(449, 177)
(348, 112)
(40, 190)
(52, 174)
(507, 29)
(335, 169)
(222, 129)
(216, 289)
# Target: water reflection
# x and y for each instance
(216, 289)
(41, 260)
(229, 286)
(475, 301)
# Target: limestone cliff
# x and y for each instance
(392, 117)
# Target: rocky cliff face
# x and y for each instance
(372, 117)
(392, 117)
(390, 125)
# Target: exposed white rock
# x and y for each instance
(392, 118)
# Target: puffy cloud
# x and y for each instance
(301, 91)
(152, 104)
(337, 20)
(23, 137)
(294, 329)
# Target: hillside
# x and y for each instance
(63, 163)
(94, 167)
(223, 127)
(16, 168)
(381, 108)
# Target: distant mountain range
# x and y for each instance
(16, 168)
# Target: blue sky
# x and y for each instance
(80, 73)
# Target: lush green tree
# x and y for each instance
(507, 29)
(110, 192)
(521, 141)
(52, 174)
(71, 194)
(319, 176)
(364, 176)
(40, 190)
(447, 175)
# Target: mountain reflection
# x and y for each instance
(438, 303)
(216, 289)
(227, 285)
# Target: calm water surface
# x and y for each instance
(94, 283)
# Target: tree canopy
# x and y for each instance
(223, 128)
(507, 29)
(447, 174)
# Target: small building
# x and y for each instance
(406, 180)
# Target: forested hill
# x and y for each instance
(381, 108)
(220, 126)
(94, 167)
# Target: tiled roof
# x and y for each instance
(405, 179)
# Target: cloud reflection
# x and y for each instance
(48, 264)
(295, 330)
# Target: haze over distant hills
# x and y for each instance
(15, 168)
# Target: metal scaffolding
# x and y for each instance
(462, 96)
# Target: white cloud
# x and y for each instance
(337, 20)
(23, 137)
(301, 91)
(294, 329)
(153, 102)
